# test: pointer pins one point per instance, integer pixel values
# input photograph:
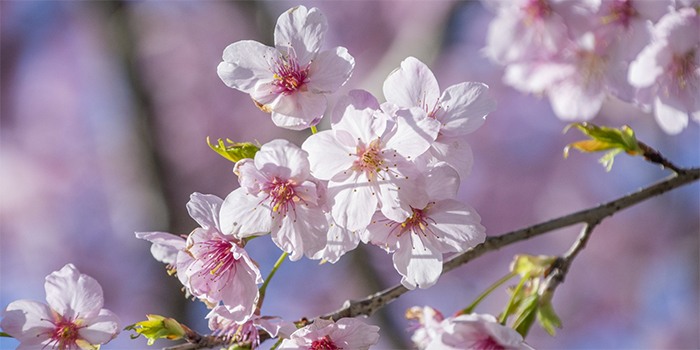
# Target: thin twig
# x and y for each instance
(378, 300)
(561, 268)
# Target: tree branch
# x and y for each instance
(591, 216)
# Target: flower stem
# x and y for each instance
(313, 129)
(504, 317)
(488, 291)
(277, 344)
(269, 277)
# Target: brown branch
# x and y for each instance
(591, 216)
(653, 156)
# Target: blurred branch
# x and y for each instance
(591, 216)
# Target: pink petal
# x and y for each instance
(299, 110)
(354, 201)
(454, 151)
(283, 160)
(301, 231)
(457, 226)
(327, 156)
(165, 246)
(204, 208)
(418, 262)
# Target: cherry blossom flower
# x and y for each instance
(346, 334)
(277, 195)
(73, 319)
(528, 30)
(429, 326)
(367, 163)
(291, 79)
(578, 80)
(221, 323)
(460, 110)
(477, 332)
(212, 266)
(441, 226)
(667, 71)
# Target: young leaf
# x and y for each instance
(234, 151)
(603, 139)
(526, 314)
(157, 327)
(547, 318)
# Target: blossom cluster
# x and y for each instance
(464, 331)
(578, 53)
(384, 173)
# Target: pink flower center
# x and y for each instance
(621, 12)
(281, 195)
(418, 223)
(216, 256)
(369, 159)
(684, 70)
(536, 10)
(487, 343)
(65, 334)
(324, 343)
(289, 75)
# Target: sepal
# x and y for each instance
(157, 327)
(605, 139)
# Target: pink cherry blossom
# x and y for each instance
(460, 109)
(577, 81)
(477, 332)
(528, 30)
(346, 334)
(73, 319)
(222, 323)
(429, 326)
(290, 80)
(367, 162)
(441, 226)
(277, 195)
(212, 266)
(667, 71)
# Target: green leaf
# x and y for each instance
(157, 327)
(526, 314)
(535, 266)
(603, 139)
(234, 151)
(547, 318)
(3, 334)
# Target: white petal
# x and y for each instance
(72, 294)
(102, 328)
(648, 65)
(419, 263)
(330, 70)
(204, 208)
(166, 246)
(354, 201)
(244, 214)
(442, 182)
(327, 156)
(414, 132)
(301, 31)
(465, 107)
(298, 110)
(670, 119)
(457, 226)
(571, 101)
(454, 151)
(283, 160)
(246, 63)
(27, 320)
(301, 231)
(412, 85)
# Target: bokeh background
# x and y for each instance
(106, 106)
